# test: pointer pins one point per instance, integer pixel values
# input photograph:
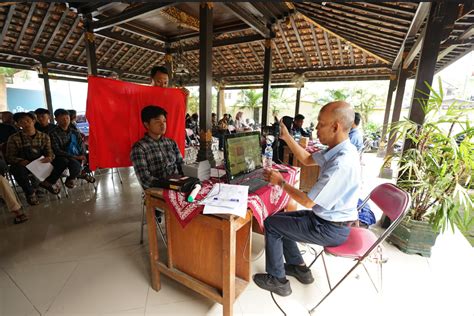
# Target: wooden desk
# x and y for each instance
(210, 256)
(308, 175)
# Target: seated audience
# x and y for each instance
(7, 118)
(355, 135)
(155, 156)
(331, 204)
(24, 147)
(69, 149)
(43, 121)
(193, 123)
(73, 117)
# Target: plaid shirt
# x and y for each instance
(20, 144)
(154, 159)
(60, 140)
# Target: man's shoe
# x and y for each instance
(270, 283)
(301, 273)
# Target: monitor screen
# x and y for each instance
(242, 153)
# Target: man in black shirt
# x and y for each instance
(43, 121)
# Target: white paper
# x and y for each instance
(39, 169)
(226, 199)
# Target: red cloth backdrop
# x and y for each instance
(113, 112)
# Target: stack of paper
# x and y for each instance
(200, 170)
(226, 199)
(40, 169)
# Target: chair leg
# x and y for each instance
(335, 287)
(119, 175)
(370, 277)
(142, 221)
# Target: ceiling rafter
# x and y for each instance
(352, 43)
(245, 57)
(248, 18)
(73, 49)
(119, 50)
(107, 52)
(367, 11)
(128, 40)
(140, 60)
(56, 29)
(255, 54)
(339, 47)
(328, 46)
(278, 53)
(285, 41)
(66, 38)
(6, 24)
(300, 42)
(316, 45)
(25, 26)
(39, 32)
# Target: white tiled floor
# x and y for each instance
(81, 256)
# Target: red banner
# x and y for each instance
(113, 112)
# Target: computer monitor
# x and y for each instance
(242, 153)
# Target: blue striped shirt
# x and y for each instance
(337, 190)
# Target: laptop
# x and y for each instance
(243, 160)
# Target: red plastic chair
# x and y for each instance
(362, 243)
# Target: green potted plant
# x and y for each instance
(437, 172)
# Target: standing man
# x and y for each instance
(155, 156)
(331, 202)
(297, 127)
(355, 134)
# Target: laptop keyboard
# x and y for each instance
(253, 180)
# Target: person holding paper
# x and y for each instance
(26, 146)
(155, 156)
(331, 202)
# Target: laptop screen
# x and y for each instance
(242, 153)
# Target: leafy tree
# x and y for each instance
(251, 99)
(364, 103)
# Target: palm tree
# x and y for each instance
(251, 99)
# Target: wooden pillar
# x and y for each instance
(388, 108)
(205, 82)
(169, 65)
(220, 100)
(267, 74)
(298, 98)
(47, 88)
(442, 14)
(90, 47)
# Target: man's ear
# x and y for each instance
(146, 124)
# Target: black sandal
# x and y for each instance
(32, 199)
(21, 218)
(48, 186)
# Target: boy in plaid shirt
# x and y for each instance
(155, 156)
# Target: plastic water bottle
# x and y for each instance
(268, 157)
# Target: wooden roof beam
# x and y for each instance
(141, 31)
(245, 57)
(115, 55)
(140, 60)
(223, 42)
(217, 31)
(6, 24)
(66, 38)
(351, 50)
(398, 10)
(24, 27)
(128, 14)
(130, 41)
(369, 24)
(106, 52)
(339, 47)
(463, 37)
(285, 41)
(56, 29)
(73, 49)
(298, 37)
(255, 54)
(420, 15)
(248, 18)
(328, 46)
(415, 49)
(351, 42)
(367, 11)
(312, 69)
(278, 53)
(39, 32)
(316, 45)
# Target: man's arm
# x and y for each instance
(300, 153)
(12, 155)
(57, 146)
(274, 177)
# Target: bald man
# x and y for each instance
(331, 202)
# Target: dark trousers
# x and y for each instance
(73, 165)
(284, 229)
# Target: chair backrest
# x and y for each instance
(394, 202)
